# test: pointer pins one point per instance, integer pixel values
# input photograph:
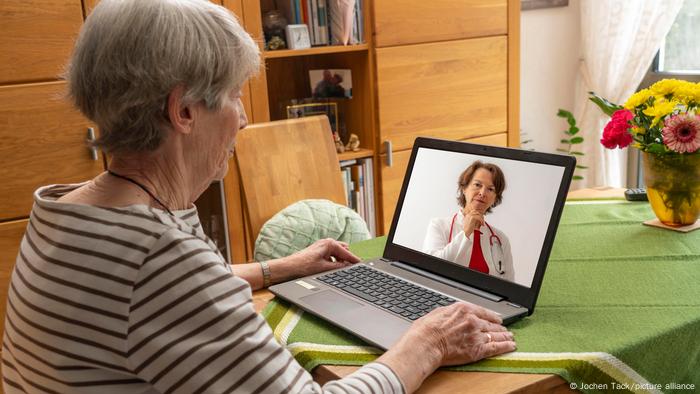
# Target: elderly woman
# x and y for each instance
(466, 238)
(117, 288)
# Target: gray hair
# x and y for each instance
(132, 53)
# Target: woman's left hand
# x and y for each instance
(322, 255)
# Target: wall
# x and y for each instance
(549, 55)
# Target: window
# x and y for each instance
(680, 53)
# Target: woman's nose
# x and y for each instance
(244, 118)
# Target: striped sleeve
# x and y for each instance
(193, 329)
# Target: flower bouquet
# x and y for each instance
(663, 122)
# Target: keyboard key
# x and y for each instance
(360, 294)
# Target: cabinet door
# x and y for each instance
(416, 21)
(10, 236)
(43, 142)
(452, 90)
(392, 177)
(37, 37)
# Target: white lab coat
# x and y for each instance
(459, 250)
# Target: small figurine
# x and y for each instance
(353, 143)
(338, 143)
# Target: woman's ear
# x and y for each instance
(181, 115)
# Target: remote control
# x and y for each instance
(637, 194)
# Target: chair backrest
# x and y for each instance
(286, 161)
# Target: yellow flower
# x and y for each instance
(638, 99)
(660, 109)
(666, 86)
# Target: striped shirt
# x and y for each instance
(115, 300)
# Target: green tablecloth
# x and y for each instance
(619, 309)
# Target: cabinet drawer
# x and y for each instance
(43, 142)
(37, 38)
(392, 177)
(416, 21)
(10, 236)
(452, 90)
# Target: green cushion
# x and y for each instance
(304, 222)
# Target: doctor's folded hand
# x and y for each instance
(452, 335)
(472, 219)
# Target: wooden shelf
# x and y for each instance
(360, 154)
(315, 51)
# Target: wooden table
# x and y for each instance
(469, 382)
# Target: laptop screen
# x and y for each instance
(452, 192)
(482, 216)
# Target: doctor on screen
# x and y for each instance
(466, 238)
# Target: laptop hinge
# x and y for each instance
(448, 282)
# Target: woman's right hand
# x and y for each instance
(455, 334)
(464, 333)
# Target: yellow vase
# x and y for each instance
(673, 187)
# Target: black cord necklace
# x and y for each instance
(126, 178)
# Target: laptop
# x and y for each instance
(428, 260)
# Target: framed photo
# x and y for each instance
(298, 37)
(331, 83)
(302, 110)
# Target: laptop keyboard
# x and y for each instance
(386, 291)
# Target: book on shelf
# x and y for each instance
(358, 181)
(326, 24)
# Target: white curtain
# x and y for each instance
(619, 39)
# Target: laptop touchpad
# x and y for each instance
(330, 300)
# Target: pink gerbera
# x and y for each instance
(682, 133)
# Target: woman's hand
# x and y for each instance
(456, 334)
(323, 255)
(472, 219)
(464, 333)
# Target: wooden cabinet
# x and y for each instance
(416, 21)
(451, 90)
(36, 38)
(44, 142)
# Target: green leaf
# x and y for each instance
(525, 142)
(656, 147)
(581, 167)
(577, 140)
(577, 177)
(577, 153)
(606, 106)
(562, 150)
(562, 113)
(564, 141)
(573, 130)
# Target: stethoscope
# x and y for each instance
(493, 239)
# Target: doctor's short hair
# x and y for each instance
(499, 182)
(131, 54)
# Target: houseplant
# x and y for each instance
(663, 122)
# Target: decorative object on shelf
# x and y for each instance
(298, 37)
(339, 147)
(329, 83)
(353, 144)
(274, 24)
(663, 123)
(330, 109)
(342, 15)
(571, 140)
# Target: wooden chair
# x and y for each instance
(283, 162)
